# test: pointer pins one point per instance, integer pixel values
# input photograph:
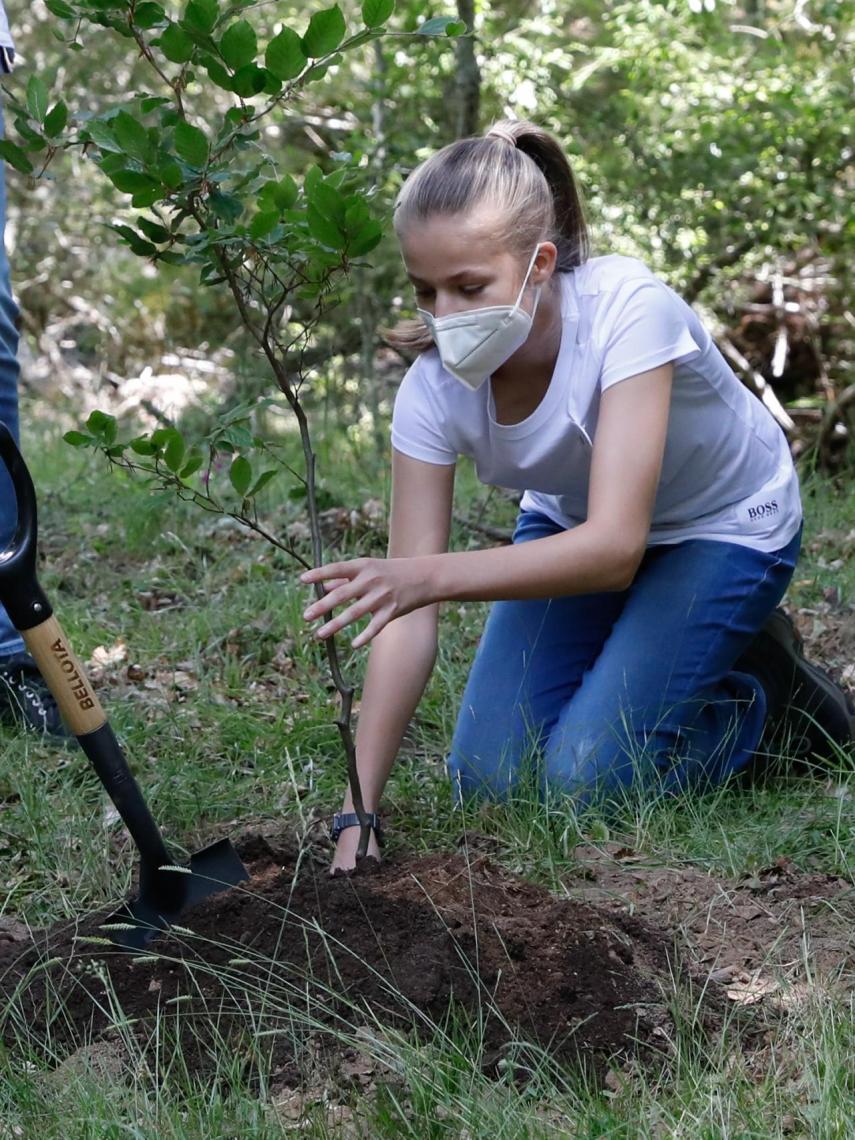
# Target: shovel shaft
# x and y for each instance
(109, 762)
(82, 711)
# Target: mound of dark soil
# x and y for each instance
(394, 947)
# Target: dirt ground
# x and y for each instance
(390, 947)
(588, 977)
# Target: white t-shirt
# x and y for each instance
(727, 473)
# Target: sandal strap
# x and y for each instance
(343, 820)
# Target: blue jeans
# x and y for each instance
(10, 639)
(600, 692)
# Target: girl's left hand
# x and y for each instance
(386, 588)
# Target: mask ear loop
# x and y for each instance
(524, 285)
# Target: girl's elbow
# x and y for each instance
(623, 563)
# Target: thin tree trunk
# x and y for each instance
(468, 76)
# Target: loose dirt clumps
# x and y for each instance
(297, 952)
(780, 922)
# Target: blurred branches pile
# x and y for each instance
(712, 139)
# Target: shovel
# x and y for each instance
(166, 888)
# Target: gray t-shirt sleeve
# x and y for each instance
(418, 428)
(645, 324)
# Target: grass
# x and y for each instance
(231, 719)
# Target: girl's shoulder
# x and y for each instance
(608, 272)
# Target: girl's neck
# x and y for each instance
(537, 357)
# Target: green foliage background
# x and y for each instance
(712, 139)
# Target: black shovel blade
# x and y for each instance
(165, 894)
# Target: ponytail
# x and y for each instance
(570, 231)
(519, 169)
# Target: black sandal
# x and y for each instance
(341, 821)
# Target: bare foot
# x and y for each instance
(345, 852)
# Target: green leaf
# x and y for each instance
(455, 28)
(33, 138)
(131, 238)
(192, 465)
(323, 229)
(133, 182)
(56, 119)
(61, 9)
(285, 57)
(285, 192)
(131, 136)
(376, 12)
(161, 436)
(328, 200)
(169, 173)
(363, 37)
(263, 223)
(142, 445)
(142, 199)
(262, 481)
(201, 15)
(37, 98)
(153, 230)
(225, 206)
(103, 425)
(356, 215)
(218, 74)
(77, 438)
(173, 455)
(311, 178)
(325, 32)
(152, 102)
(235, 436)
(319, 70)
(176, 45)
(366, 239)
(249, 81)
(102, 135)
(191, 144)
(438, 26)
(239, 44)
(147, 14)
(240, 474)
(272, 85)
(15, 156)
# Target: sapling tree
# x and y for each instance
(208, 190)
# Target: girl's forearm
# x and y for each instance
(580, 561)
(399, 665)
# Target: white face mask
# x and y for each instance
(473, 343)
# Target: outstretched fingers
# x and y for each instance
(359, 609)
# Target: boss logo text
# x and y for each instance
(762, 510)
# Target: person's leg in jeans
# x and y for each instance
(10, 640)
(530, 661)
(662, 705)
(24, 696)
(612, 686)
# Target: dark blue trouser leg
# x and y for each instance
(617, 689)
(10, 639)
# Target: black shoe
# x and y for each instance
(814, 708)
(25, 699)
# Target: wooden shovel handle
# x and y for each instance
(65, 677)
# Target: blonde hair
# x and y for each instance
(516, 167)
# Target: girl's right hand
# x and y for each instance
(345, 852)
